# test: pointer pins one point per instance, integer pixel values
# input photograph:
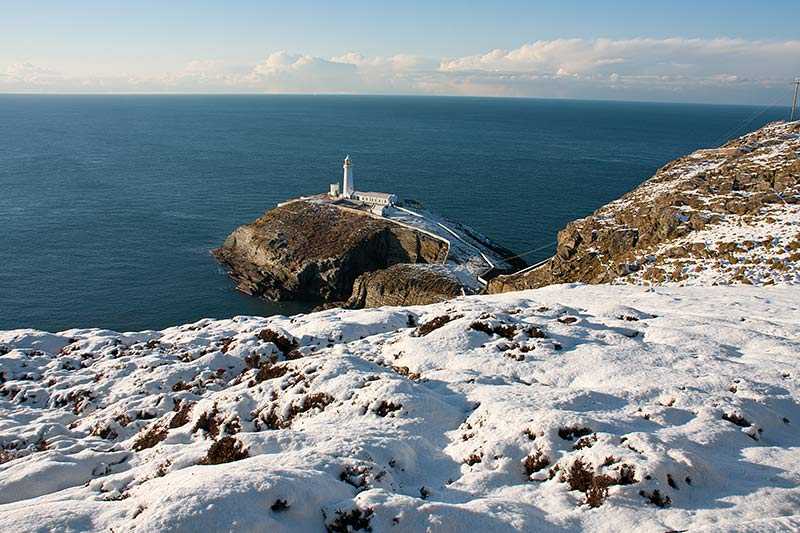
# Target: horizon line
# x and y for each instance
(402, 95)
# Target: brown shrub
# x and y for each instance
(268, 370)
(598, 491)
(610, 460)
(573, 432)
(656, 498)
(503, 330)
(434, 324)
(6, 456)
(579, 476)
(150, 437)
(737, 419)
(627, 475)
(319, 401)
(225, 344)
(473, 459)
(355, 475)
(294, 354)
(104, 432)
(208, 422)
(180, 385)
(384, 408)
(232, 427)
(225, 450)
(181, 416)
(347, 521)
(535, 462)
(536, 333)
(252, 361)
(282, 342)
(585, 442)
(404, 371)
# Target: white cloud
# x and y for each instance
(642, 68)
(666, 57)
(28, 74)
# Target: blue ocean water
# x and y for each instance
(109, 205)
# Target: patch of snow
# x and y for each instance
(668, 408)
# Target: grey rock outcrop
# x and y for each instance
(708, 187)
(404, 284)
(314, 252)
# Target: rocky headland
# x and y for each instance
(315, 251)
(717, 216)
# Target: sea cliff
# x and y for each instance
(336, 255)
(717, 216)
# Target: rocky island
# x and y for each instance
(349, 250)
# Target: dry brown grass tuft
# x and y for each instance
(535, 462)
(208, 422)
(181, 416)
(434, 324)
(347, 521)
(735, 418)
(150, 437)
(598, 490)
(384, 408)
(473, 459)
(6, 456)
(579, 476)
(282, 342)
(573, 432)
(656, 498)
(225, 450)
(268, 370)
(506, 331)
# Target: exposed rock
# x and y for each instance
(669, 228)
(315, 252)
(404, 285)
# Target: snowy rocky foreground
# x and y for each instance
(598, 408)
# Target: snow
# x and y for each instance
(377, 418)
(765, 250)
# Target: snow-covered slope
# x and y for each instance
(598, 408)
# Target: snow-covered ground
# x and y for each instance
(752, 250)
(597, 408)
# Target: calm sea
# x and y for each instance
(109, 205)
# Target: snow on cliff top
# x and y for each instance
(739, 206)
(595, 408)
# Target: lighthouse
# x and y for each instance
(347, 182)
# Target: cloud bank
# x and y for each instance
(674, 69)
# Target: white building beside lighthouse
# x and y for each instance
(376, 200)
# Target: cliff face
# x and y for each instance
(310, 251)
(404, 285)
(731, 211)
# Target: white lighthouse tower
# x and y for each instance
(347, 182)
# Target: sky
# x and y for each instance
(734, 51)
